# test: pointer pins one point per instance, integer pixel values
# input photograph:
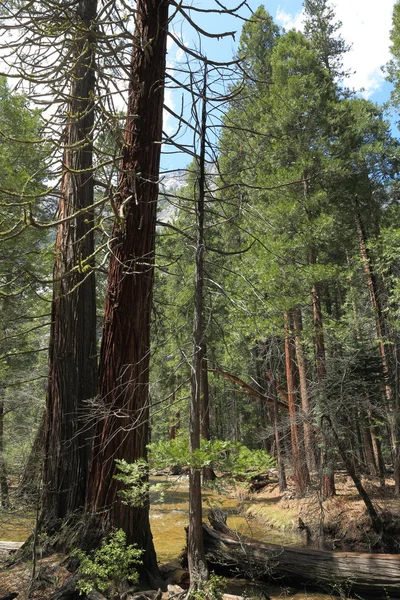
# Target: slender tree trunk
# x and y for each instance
(4, 491)
(278, 445)
(175, 420)
(300, 470)
(31, 477)
(72, 356)
(208, 473)
(309, 438)
(327, 480)
(375, 287)
(375, 519)
(122, 429)
(198, 570)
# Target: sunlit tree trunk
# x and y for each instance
(122, 429)
(72, 355)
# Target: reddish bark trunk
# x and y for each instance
(309, 438)
(122, 430)
(300, 470)
(327, 477)
(375, 287)
(72, 356)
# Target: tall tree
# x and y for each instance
(122, 429)
(321, 28)
(73, 355)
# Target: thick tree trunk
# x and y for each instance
(309, 437)
(122, 429)
(300, 470)
(198, 571)
(377, 575)
(72, 357)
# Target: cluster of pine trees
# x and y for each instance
(269, 297)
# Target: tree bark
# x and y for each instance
(31, 477)
(122, 429)
(4, 490)
(300, 470)
(375, 288)
(72, 355)
(208, 473)
(377, 575)
(278, 445)
(327, 475)
(309, 437)
(198, 571)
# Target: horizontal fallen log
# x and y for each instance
(368, 574)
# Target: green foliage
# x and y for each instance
(232, 457)
(212, 589)
(111, 565)
(134, 476)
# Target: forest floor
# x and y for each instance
(341, 523)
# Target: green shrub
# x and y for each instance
(112, 564)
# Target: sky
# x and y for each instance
(366, 27)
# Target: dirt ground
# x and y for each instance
(341, 523)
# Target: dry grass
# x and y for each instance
(342, 521)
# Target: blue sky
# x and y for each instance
(366, 27)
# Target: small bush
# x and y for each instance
(112, 564)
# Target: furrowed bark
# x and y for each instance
(123, 409)
(72, 355)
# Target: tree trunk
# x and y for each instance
(349, 573)
(375, 288)
(208, 473)
(4, 491)
(198, 571)
(300, 470)
(309, 437)
(72, 355)
(278, 445)
(31, 477)
(122, 429)
(327, 476)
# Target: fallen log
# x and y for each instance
(369, 574)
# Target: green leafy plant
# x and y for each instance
(213, 589)
(134, 476)
(232, 457)
(114, 563)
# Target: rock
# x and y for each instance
(95, 595)
(147, 595)
(10, 596)
(174, 591)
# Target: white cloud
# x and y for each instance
(366, 26)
